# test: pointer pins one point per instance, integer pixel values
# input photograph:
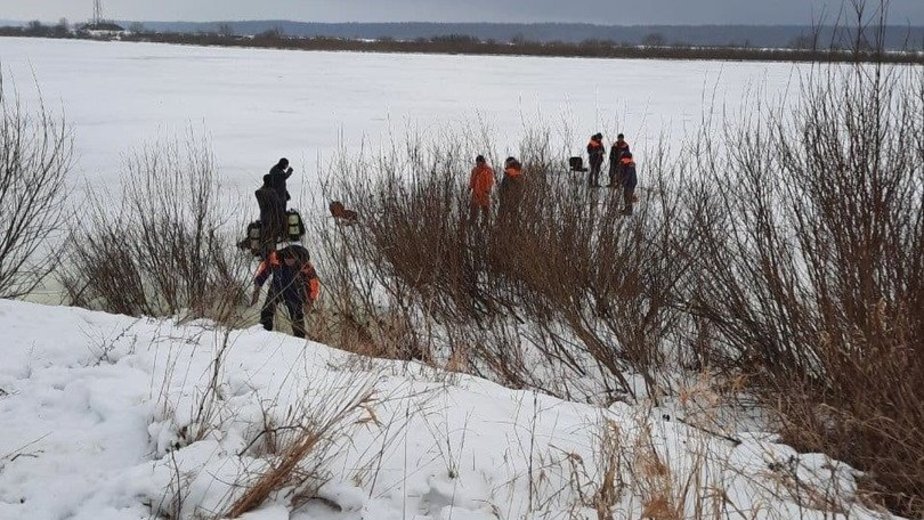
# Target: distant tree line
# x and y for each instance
(804, 48)
(62, 29)
(762, 36)
(35, 28)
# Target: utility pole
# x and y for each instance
(97, 12)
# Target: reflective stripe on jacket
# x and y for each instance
(292, 283)
(595, 152)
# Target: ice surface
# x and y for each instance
(259, 105)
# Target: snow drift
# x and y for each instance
(109, 417)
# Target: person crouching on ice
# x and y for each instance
(294, 283)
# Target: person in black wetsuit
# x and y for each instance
(278, 175)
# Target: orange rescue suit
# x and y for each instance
(481, 183)
(513, 171)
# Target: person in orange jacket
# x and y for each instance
(595, 153)
(294, 283)
(480, 184)
(629, 182)
(619, 149)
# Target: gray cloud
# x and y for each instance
(629, 12)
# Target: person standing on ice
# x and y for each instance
(278, 175)
(511, 191)
(294, 284)
(480, 185)
(272, 215)
(595, 153)
(619, 149)
(629, 182)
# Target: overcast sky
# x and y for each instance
(763, 12)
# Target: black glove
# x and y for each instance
(289, 171)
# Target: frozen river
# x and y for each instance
(258, 105)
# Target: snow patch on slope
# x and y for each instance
(108, 417)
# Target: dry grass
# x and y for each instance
(288, 469)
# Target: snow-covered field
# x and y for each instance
(109, 417)
(258, 105)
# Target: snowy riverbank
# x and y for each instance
(111, 417)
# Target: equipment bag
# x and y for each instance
(253, 241)
(294, 225)
(576, 164)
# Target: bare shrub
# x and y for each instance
(813, 279)
(612, 281)
(166, 249)
(563, 277)
(377, 302)
(36, 156)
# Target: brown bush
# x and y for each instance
(613, 281)
(36, 156)
(788, 253)
(164, 251)
(564, 276)
(814, 272)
